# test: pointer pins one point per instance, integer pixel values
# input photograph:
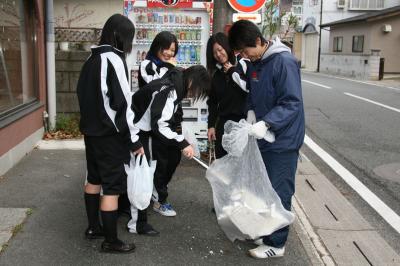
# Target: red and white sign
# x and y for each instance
(246, 6)
(253, 17)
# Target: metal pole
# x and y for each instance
(320, 36)
(50, 63)
(200, 162)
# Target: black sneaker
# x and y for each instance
(94, 233)
(117, 247)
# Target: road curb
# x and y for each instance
(11, 220)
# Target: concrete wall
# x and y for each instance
(86, 14)
(297, 45)
(68, 67)
(363, 67)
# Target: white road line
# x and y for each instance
(317, 84)
(353, 80)
(370, 101)
(376, 203)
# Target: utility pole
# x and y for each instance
(222, 15)
(320, 36)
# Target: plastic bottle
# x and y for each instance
(138, 57)
(187, 54)
(192, 54)
(179, 55)
(198, 54)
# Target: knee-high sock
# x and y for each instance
(92, 202)
(110, 225)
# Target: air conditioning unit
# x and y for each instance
(387, 28)
(341, 3)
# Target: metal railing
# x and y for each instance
(91, 35)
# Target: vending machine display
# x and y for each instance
(191, 22)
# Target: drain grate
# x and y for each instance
(309, 184)
(362, 253)
(334, 216)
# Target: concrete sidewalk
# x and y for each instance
(327, 231)
(50, 182)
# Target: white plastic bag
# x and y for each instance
(246, 205)
(140, 181)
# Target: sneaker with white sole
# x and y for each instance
(259, 242)
(264, 251)
(164, 209)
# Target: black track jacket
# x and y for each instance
(155, 106)
(105, 97)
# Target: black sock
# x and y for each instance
(92, 202)
(110, 225)
(123, 202)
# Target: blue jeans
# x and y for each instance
(281, 169)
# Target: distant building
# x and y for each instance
(306, 45)
(364, 45)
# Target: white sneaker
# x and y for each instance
(259, 242)
(164, 209)
(264, 251)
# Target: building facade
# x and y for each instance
(364, 46)
(22, 78)
(332, 10)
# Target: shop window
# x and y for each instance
(18, 59)
(337, 44)
(358, 44)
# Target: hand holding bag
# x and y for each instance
(140, 181)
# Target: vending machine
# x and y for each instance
(191, 22)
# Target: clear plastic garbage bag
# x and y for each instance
(246, 205)
(140, 181)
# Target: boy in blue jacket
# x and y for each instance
(276, 102)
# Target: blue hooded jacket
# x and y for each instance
(276, 98)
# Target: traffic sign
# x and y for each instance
(253, 17)
(246, 6)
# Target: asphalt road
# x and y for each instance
(51, 184)
(359, 125)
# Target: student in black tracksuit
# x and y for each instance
(156, 105)
(227, 97)
(159, 60)
(107, 125)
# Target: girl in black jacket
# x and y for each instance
(227, 97)
(159, 59)
(107, 125)
(156, 105)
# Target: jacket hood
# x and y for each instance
(275, 48)
(175, 75)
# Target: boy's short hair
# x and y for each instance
(196, 82)
(244, 33)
